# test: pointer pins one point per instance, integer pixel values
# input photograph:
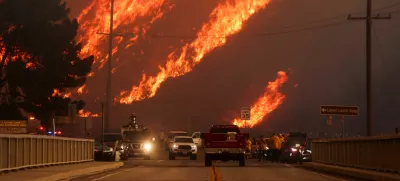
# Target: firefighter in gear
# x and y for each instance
(276, 145)
(248, 148)
(261, 148)
(281, 138)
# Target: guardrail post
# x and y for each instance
(9, 153)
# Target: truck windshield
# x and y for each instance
(183, 140)
(136, 135)
(224, 130)
(112, 137)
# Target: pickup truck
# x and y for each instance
(224, 142)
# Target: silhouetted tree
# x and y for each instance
(40, 54)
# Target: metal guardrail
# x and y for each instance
(24, 151)
(374, 153)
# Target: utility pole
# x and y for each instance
(109, 68)
(111, 35)
(102, 126)
(369, 19)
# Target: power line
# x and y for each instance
(295, 25)
(266, 34)
(337, 17)
(304, 29)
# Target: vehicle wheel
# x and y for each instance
(242, 160)
(208, 161)
(147, 157)
(193, 157)
(171, 156)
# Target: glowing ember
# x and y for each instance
(226, 20)
(126, 14)
(267, 103)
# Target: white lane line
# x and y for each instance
(109, 175)
(315, 173)
(160, 161)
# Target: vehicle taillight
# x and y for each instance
(41, 128)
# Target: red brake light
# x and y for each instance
(41, 128)
(58, 132)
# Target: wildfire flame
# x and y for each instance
(126, 13)
(56, 92)
(80, 89)
(267, 103)
(225, 20)
(86, 114)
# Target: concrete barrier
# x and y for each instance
(374, 153)
(24, 151)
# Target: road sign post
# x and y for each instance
(245, 115)
(342, 111)
(342, 120)
(329, 121)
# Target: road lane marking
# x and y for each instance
(160, 161)
(217, 173)
(111, 174)
(212, 177)
(315, 173)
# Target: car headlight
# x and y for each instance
(109, 150)
(122, 146)
(294, 149)
(266, 148)
(175, 146)
(194, 146)
(147, 146)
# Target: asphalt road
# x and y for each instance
(183, 169)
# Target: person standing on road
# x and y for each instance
(161, 138)
(276, 147)
(248, 148)
(261, 148)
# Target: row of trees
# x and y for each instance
(38, 53)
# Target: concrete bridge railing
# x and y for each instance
(24, 151)
(376, 153)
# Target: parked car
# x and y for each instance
(111, 138)
(307, 152)
(293, 148)
(103, 152)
